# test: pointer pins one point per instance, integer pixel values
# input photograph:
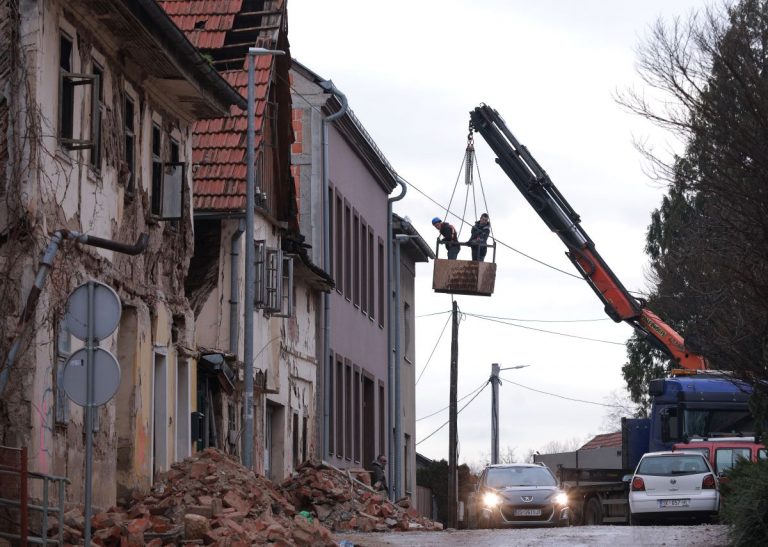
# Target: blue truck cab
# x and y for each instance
(692, 404)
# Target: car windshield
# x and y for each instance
(501, 477)
(683, 464)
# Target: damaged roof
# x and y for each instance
(151, 44)
(224, 30)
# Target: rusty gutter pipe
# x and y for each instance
(46, 263)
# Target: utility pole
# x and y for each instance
(250, 251)
(495, 382)
(453, 479)
(494, 413)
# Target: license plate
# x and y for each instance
(527, 512)
(674, 503)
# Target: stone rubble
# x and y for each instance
(344, 503)
(210, 499)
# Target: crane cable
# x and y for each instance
(468, 165)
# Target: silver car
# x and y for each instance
(673, 485)
(519, 494)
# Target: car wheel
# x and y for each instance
(633, 520)
(564, 523)
(593, 513)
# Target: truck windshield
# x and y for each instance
(502, 477)
(714, 422)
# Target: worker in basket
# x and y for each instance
(478, 238)
(448, 233)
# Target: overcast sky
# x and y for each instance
(411, 72)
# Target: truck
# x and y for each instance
(693, 401)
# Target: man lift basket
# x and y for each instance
(468, 277)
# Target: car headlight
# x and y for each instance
(561, 498)
(491, 499)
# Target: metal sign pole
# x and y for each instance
(89, 344)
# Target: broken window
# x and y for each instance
(274, 280)
(68, 82)
(98, 104)
(167, 180)
(130, 144)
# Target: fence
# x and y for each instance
(15, 505)
(424, 502)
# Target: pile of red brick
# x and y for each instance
(212, 499)
(343, 503)
(206, 499)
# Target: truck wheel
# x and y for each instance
(593, 513)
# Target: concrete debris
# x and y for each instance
(210, 499)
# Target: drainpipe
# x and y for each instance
(46, 263)
(234, 278)
(328, 87)
(390, 365)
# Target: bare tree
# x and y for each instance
(707, 78)
(622, 406)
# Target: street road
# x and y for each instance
(694, 535)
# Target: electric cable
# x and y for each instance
(546, 331)
(447, 209)
(560, 396)
(433, 350)
(519, 318)
(457, 413)
(458, 401)
(529, 257)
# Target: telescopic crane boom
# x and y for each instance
(537, 188)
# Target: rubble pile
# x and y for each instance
(344, 503)
(205, 499)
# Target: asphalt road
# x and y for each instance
(693, 535)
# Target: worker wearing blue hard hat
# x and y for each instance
(450, 240)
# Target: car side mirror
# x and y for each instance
(626, 479)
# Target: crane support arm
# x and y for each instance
(537, 188)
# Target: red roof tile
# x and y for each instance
(606, 440)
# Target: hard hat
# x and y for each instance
(436, 220)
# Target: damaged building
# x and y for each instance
(97, 104)
(288, 284)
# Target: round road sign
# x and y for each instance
(106, 311)
(106, 376)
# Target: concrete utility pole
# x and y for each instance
(495, 413)
(495, 381)
(453, 478)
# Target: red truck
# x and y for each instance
(724, 452)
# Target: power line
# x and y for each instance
(545, 331)
(433, 350)
(481, 386)
(457, 413)
(483, 316)
(447, 209)
(561, 396)
(495, 239)
(432, 314)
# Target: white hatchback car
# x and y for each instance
(673, 485)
